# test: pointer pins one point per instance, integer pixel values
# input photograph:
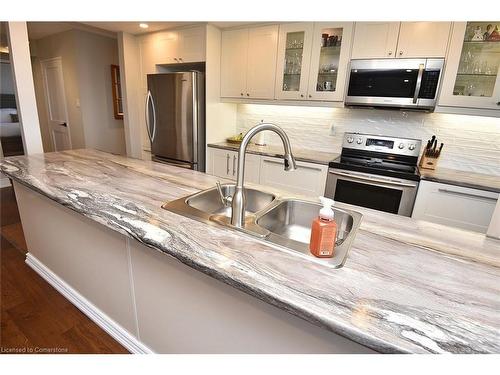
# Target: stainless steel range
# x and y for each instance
(376, 172)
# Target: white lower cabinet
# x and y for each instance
(224, 163)
(455, 206)
(308, 179)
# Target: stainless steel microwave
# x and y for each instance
(403, 83)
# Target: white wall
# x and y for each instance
(6, 81)
(86, 60)
(130, 68)
(24, 87)
(471, 142)
(94, 56)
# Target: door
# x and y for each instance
(308, 179)
(423, 39)
(375, 40)
(170, 116)
(261, 66)
(294, 57)
(234, 51)
(472, 78)
(55, 95)
(166, 48)
(329, 59)
(456, 206)
(191, 44)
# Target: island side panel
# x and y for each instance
(181, 310)
(89, 257)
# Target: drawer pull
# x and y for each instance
(463, 194)
(298, 166)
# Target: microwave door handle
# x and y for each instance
(419, 82)
(379, 180)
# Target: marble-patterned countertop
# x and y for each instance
(462, 178)
(311, 156)
(407, 285)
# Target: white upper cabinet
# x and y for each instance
(331, 47)
(191, 44)
(312, 60)
(261, 66)
(234, 63)
(171, 47)
(400, 39)
(294, 57)
(375, 40)
(423, 39)
(472, 77)
(248, 62)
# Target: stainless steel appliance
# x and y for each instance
(376, 172)
(403, 83)
(175, 118)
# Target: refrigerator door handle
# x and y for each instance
(150, 101)
(146, 116)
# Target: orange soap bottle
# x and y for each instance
(324, 231)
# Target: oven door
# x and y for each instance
(381, 193)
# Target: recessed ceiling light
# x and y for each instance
(143, 25)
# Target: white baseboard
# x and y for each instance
(130, 342)
(4, 181)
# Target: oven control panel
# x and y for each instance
(379, 143)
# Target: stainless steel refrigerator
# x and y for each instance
(175, 118)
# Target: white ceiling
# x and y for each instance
(38, 30)
(133, 27)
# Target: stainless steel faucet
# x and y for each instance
(238, 202)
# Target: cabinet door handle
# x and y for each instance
(234, 164)
(241, 94)
(498, 103)
(463, 194)
(227, 163)
(390, 53)
(310, 96)
(248, 94)
(400, 53)
(302, 95)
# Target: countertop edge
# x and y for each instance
(371, 342)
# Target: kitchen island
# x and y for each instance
(407, 287)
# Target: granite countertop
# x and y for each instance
(311, 156)
(462, 178)
(407, 285)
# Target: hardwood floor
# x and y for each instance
(34, 317)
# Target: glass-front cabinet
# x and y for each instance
(329, 60)
(312, 61)
(294, 55)
(472, 76)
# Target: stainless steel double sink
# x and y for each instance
(279, 220)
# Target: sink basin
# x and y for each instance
(289, 223)
(208, 201)
(282, 221)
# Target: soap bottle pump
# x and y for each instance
(324, 231)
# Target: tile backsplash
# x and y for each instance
(471, 143)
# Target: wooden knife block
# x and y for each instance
(428, 162)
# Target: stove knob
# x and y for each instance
(359, 141)
(411, 147)
(350, 139)
(401, 146)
